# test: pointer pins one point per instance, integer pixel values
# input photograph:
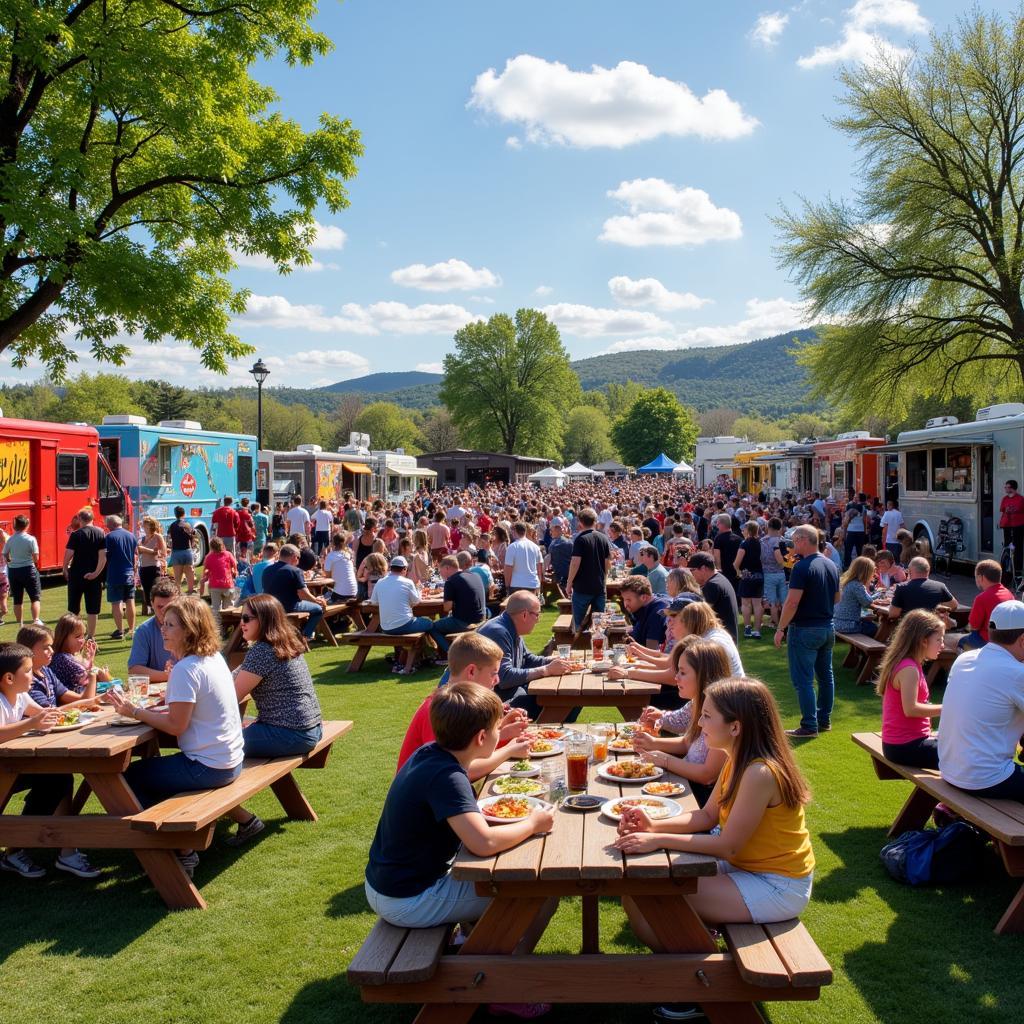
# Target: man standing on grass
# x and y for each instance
(120, 548)
(588, 569)
(225, 522)
(81, 557)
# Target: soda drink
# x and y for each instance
(600, 747)
(576, 765)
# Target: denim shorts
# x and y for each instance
(770, 897)
(182, 558)
(445, 902)
(118, 592)
(775, 587)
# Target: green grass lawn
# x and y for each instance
(287, 913)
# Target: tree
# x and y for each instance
(508, 382)
(587, 436)
(163, 401)
(922, 272)
(597, 399)
(806, 424)
(389, 426)
(621, 397)
(87, 399)
(656, 422)
(438, 432)
(136, 152)
(717, 422)
(345, 416)
(757, 429)
(284, 426)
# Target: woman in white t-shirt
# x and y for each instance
(339, 566)
(201, 710)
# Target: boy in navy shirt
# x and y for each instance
(47, 690)
(431, 810)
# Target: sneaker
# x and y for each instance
(77, 864)
(38, 622)
(3, 622)
(22, 864)
(524, 1011)
(801, 733)
(747, 632)
(245, 831)
(827, 727)
(189, 862)
(678, 1011)
(117, 635)
(755, 635)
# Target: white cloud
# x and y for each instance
(430, 367)
(860, 43)
(612, 107)
(592, 322)
(452, 275)
(276, 311)
(768, 28)
(662, 214)
(765, 317)
(327, 238)
(649, 291)
(542, 290)
(514, 142)
(481, 298)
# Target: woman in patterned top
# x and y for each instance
(276, 676)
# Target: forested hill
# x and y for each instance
(760, 378)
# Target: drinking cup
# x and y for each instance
(577, 759)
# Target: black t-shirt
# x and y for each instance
(751, 549)
(85, 543)
(649, 623)
(466, 592)
(727, 544)
(180, 534)
(817, 578)
(593, 550)
(719, 593)
(284, 582)
(653, 525)
(307, 559)
(414, 845)
(927, 594)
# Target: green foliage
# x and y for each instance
(136, 151)
(757, 429)
(622, 396)
(587, 436)
(388, 427)
(656, 422)
(438, 431)
(284, 426)
(596, 400)
(88, 398)
(717, 422)
(163, 401)
(924, 269)
(508, 383)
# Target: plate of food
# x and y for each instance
(664, 789)
(546, 748)
(73, 718)
(503, 810)
(523, 769)
(656, 807)
(545, 732)
(630, 771)
(600, 666)
(621, 745)
(628, 728)
(506, 785)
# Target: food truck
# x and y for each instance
(176, 462)
(751, 469)
(49, 472)
(849, 461)
(790, 468)
(317, 475)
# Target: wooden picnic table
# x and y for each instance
(429, 607)
(558, 695)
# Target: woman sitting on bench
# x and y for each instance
(855, 598)
(276, 676)
(201, 710)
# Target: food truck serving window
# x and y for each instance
(244, 474)
(73, 472)
(917, 470)
(951, 469)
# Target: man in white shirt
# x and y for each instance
(396, 595)
(983, 711)
(323, 521)
(298, 518)
(892, 523)
(523, 562)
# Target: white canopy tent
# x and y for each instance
(548, 477)
(577, 471)
(683, 470)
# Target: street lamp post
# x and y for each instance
(260, 372)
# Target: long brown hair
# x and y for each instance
(912, 632)
(709, 663)
(699, 617)
(65, 628)
(274, 627)
(750, 702)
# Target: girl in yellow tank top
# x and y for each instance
(766, 864)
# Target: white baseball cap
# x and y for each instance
(1008, 615)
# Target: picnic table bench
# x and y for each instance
(864, 656)
(1003, 820)
(101, 752)
(497, 962)
(558, 695)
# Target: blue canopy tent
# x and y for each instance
(662, 464)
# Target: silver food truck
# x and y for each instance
(952, 475)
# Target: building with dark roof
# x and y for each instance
(459, 467)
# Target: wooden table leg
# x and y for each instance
(292, 799)
(591, 933)
(362, 650)
(162, 867)
(914, 813)
(81, 795)
(7, 781)
(326, 634)
(675, 924)
(551, 716)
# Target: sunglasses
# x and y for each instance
(247, 618)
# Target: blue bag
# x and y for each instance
(935, 856)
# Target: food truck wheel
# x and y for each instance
(200, 545)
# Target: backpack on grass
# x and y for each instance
(935, 856)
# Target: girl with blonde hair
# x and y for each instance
(854, 597)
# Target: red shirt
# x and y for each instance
(245, 529)
(981, 610)
(485, 522)
(418, 733)
(225, 519)
(1011, 510)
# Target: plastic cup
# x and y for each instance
(564, 651)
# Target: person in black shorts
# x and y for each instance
(182, 558)
(81, 557)
(751, 581)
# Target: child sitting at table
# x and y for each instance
(431, 808)
(698, 664)
(47, 793)
(766, 865)
(471, 659)
(74, 655)
(906, 714)
(371, 571)
(47, 690)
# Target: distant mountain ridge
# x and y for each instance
(378, 383)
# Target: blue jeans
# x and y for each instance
(582, 603)
(971, 641)
(316, 613)
(440, 629)
(810, 656)
(419, 624)
(262, 740)
(152, 779)
(445, 902)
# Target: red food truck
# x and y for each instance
(844, 463)
(48, 472)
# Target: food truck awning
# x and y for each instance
(357, 468)
(186, 440)
(952, 441)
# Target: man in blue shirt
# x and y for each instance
(120, 548)
(148, 656)
(808, 612)
(646, 610)
(559, 553)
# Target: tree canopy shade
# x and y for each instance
(587, 436)
(923, 270)
(135, 153)
(508, 384)
(655, 422)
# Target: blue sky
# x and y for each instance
(615, 164)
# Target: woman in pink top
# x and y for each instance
(906, 714)
(219, 571)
